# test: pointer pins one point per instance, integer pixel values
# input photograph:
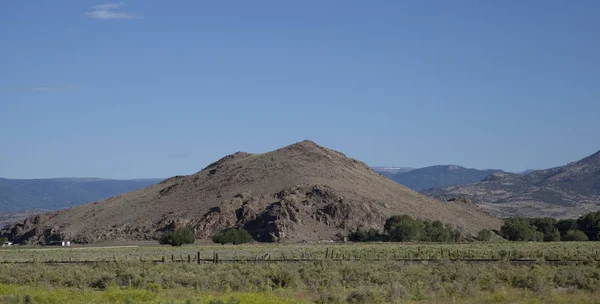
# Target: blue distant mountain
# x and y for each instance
(58, 193)
(437, 176)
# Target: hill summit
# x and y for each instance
(301, 192)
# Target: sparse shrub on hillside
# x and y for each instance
(178, 237)
(575, 236)
(484, 235)
(3, 240)
(234, 236)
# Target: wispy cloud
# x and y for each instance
(45, 88)
(110, 11)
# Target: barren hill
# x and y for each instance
(566, 191)
(299, 192)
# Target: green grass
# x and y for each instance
(386, 280)
(369, 251)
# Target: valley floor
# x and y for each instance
(127, 275)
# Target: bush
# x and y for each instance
(575, 236)
(546, 225)
(484, 235)
(178, 237)
(403, 228)
(590, 225)
(234, 236)
(3, 240)
(565, 225)
(519, 229)
(371, 235)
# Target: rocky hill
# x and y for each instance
(566, 191)
(439, 176)
(19, 195)
(302, 192)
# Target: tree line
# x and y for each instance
(403, 228)
(546, 229)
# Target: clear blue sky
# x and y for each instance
(154, 88)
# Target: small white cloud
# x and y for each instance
(111, 11)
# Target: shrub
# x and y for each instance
(178, 237)
(403, 228)
(575, 236)
(234, 236)
(519, 229)
(3, 240)
(484, 235)
(371, 235)
(546, 225)
(590, 225)
(565, 225)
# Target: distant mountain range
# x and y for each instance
(433, 177)
(566, 191)
(52, 194)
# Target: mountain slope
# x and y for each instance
(299, 192)
(565, 191)
(439, 177)
(53, 194)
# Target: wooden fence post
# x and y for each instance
(198, 257)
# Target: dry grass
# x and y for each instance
(322, 281)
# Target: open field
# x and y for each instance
(497, 251)
(379, 278)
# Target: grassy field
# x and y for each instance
(378, 279)
(359, 251)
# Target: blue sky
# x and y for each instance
(154, 88)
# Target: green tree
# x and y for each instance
(519, 229)
(575, 236)
(484, 235)
(590, 225)
(546, 225)
(233, 235)
(178, 237)
(370, 235)
(3, 240)
(565, 225)
(403, 228)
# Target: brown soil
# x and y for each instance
(302, 192)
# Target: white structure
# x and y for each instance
(7, 244)
(67, 243)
